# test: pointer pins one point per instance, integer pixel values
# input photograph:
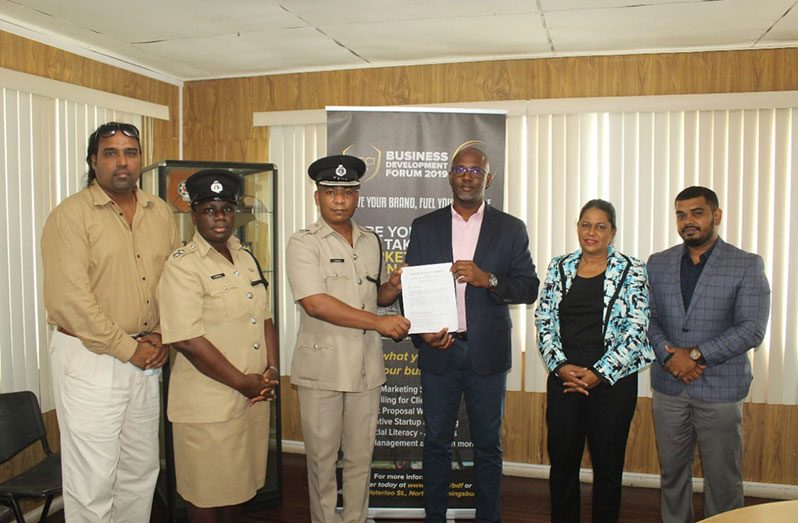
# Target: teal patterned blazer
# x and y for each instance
(625, 320)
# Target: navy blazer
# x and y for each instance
(503, 250)
(726, 318)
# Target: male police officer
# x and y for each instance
(335, 270)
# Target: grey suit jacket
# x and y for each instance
(727, 317)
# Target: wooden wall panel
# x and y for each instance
(31, 57)
(221, 110)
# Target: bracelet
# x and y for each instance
(272, 368)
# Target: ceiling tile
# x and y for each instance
(728, 23)
(785, 32)
(435, 40)
(146, 20)
(358, 11)
(575, 5)
(250, 53)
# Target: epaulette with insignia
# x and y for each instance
(313, 228)
(182, 251)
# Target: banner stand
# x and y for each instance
(407, 152)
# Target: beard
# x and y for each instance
(702, 238)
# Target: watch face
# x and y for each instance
(494, 281)
(694, 354)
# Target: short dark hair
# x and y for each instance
(104, 131)
(602, 205)
(697, 191)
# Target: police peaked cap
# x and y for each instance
(213, 184)
(337, 170)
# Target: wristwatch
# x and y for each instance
(493, 281)
(695, 354)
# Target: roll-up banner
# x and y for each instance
(408, 152)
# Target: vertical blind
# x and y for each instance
(42, 161)
(639, 161)
(637, 158)
(292, 148)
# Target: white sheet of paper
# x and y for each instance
(429, 298)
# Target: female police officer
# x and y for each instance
(214, 311)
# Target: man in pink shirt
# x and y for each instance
(489, 252)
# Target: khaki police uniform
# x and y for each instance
(338, 370)
(220, 442)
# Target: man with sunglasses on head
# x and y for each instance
(103, 251)
(492, 268)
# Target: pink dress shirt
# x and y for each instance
(465, 234)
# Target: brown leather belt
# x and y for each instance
(64, 331)
(462, 336)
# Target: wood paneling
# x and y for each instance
(31, 57)
(220, 111)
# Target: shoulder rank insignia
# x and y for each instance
(217, 276)
(178, 253)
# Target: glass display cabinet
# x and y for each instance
(255, 226)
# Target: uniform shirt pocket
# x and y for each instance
(337, 282)
(223, 299)
(315, 362)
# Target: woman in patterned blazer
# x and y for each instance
(592, 320)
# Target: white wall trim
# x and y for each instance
(305, 117)
(639, 479)
(612, 104)
(319, 116)
(46, 87)
(662, 103)
(630, 479)
(431, 108)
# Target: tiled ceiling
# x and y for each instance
(190, 39)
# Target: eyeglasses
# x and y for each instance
(460, 170)
(109, 129)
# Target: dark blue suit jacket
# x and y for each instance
(502, 249)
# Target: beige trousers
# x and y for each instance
(108, 415)
(331, 421)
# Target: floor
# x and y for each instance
(524, 500)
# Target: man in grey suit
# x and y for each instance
(710, 303)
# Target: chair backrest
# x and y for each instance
(20, 423)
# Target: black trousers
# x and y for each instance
(603, 418)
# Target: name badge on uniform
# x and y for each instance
(217, 276)
(336, 260)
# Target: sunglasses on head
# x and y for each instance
(109, 129)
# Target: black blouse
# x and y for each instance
(581, 313)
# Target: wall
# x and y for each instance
(218, 126)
